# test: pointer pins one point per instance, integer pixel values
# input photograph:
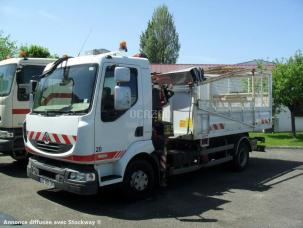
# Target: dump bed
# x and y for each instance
(221, 104)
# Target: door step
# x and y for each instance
(218, 161)
(197, 167)
(110, 177)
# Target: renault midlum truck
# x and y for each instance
(104, 119)
(15, 76)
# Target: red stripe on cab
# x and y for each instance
(20, 111)
(66, 139)
(93, 157)
(31, 135)
(38, 135)
(85, 158)
(56, 138)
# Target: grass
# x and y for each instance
(280, 139)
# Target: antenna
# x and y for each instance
(89, 32)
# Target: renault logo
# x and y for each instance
(46, 138)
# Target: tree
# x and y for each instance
(160, 41)
(288, 85)
(35, 51)
(7, 46)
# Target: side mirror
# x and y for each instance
(122, 74)
(31, 101)
(122, 98)
(33, 85)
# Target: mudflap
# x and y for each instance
(255, 146)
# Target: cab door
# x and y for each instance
(116, 130)
(21, 94)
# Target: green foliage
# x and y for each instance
(36, 51)
(54, 56)
(288, 84)
(260, 65)
(160, 41)
(280, 139)
(7, 46)
(288, 81)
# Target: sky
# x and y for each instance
(210, 31)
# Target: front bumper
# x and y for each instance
(6, 145)
(58, 176)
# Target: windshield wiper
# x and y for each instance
(50, 112)
(65, 110)
(54, 66)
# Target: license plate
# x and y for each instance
(47, 182)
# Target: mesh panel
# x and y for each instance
(240, 92)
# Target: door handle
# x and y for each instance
(139, 131)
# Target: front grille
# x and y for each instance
(54, 148)
(51, 147)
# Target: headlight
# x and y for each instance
(82, 177)
(73, 176)
(6, 134)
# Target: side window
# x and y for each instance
(27, 74)
(108, 112)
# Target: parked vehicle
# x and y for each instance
(15, 76)
(104, 119)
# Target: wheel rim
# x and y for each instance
(139, 180)
(243, 158)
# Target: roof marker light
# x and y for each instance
(123, 46)
(23, 54)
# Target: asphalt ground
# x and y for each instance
(269, 193)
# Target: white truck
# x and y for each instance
(104, 119)
(15, 76)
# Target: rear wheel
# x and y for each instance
(139, 179)
(240, 160)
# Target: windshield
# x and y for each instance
(7, 73)
(29, 72)
(66, 90)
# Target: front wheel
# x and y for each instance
(240, 160)
(139, 179)
(20, 155)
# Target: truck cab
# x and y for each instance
(76, 121)
(15, 76)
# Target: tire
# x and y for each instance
(139, 179)
(241, 158)
(20, 156)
